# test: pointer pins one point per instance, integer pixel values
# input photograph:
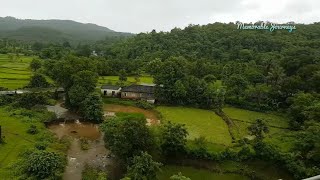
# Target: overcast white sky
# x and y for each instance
(144, 15)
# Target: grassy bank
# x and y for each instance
(15, 124)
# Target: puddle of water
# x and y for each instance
(96, 155)
(77, 130)
(151, 115)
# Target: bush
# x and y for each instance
(38, 81)
(84, 144)
(32, 130)
(41, 165)
(41, 145)
(90, 173)
(4, 100)
(144, 105)
(28, 100)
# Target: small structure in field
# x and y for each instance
(139, 92)
(110, 90)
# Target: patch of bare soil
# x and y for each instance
(152, 118)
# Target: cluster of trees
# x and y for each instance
(78, 77)
(177, 84)
(129, 138)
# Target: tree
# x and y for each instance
(308, 143)
(66, 44)
(87, 79)
(179, 176)
(173, 139)
(92, 108)
(300, 102)
(84, 82)
(38, 81)
(122, 75)
(210, 78)
(258, 128)
(41, 165)
(180, 92)
(127, 136)
(35, 64)
(143, 168)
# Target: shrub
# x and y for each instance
(28, 100)
(4, 100)
(144, 105)
(90, 173)
(41, 145)
(41, 165)
(84, 144)
(32, 129)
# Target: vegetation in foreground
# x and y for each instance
(28, 148)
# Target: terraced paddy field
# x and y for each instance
(198, 122)
(279, 135)
(15, 73)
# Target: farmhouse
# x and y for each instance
(139, 92)
(110, 90)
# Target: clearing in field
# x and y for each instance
(14, 73)
(199, 123)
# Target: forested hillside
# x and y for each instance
(53, 31)
(261, 70)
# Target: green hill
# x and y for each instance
(53, 30)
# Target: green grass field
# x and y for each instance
(196, 174)
(251, 116)
(114, 79)
(199, 123)
(16, 139)
(280, 137)
(14, 74)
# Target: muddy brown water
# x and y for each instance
(96, 155)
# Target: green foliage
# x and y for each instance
(143, 167)
(32, 129)
(28, 100)
(35, 64)
(304, 107)
(41, 165)
(127, 136)
(90, 173)
(122, 75)
(4, 100)
(173, 139)
(144, 105)
(308, 144)
(258, 129)
(38, 81)
(92, 108)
